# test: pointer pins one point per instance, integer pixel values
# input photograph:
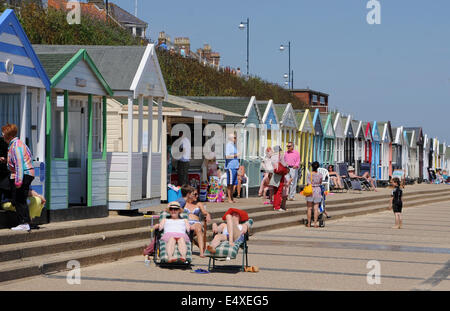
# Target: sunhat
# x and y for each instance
(174, 204)
(243, 216)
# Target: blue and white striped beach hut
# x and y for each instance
(23, 87)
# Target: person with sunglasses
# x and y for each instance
(175, 232)
(193, 209)
(334, 177)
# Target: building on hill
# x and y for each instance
(209, 56)
(182, 46)
(313, 99)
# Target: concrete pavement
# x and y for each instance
(336, 257)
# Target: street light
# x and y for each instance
(282, 48)
(242, 27)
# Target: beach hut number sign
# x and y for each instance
(9, 66)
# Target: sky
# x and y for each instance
(398, 70)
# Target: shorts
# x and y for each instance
(166, 236)
(397, 208)
(232, 179)
(314, 199)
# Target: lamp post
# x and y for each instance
(241, 27)
(282, 48)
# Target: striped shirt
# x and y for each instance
(20, 161)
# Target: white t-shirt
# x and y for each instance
(175, 226)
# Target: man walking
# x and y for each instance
(292, 159)
(231, 166)
(183, 162)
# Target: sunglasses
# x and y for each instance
(174, 209)
(195, 194)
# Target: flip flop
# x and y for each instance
(201, 271)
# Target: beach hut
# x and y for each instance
(134, 75)
(360, 142)
(288, 124)
(318, 138)
(368, 146)
(269, 125)
(418, 145)
(23, 88)
(405, 153)
(447, 159)
(435, 153)
(412, 153)
(329, 138)
(339, 129)
(349, 142)
(385, 130)
(305, 141)
(376, 151)
(76, 144)
(442, 150)
(426, 159)
(399, 149)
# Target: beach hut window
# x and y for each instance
(10, 113)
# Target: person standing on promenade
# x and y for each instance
(397, 203)
(278, 177)
(183, 162)
(231, 166)
(292, 159)
(22, 174)
(315, 179)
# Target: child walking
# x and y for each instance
(396, 202)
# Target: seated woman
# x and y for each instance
(232, 230)
(365, 176)
(194, 209)
(175, 230)
(335, 178)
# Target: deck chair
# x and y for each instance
(325, 177)
(365, 167)
(343, 172)
(160, 257)
(225, 252)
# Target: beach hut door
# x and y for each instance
(77, 152)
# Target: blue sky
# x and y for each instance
(398, 70)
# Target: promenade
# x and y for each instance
(298, 258)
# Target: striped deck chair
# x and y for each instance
(224, 251)
(161, 258)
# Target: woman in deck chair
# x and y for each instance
(193, 209)
(232, 230)
(365, 176)
(175, 230)
(335, 178)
